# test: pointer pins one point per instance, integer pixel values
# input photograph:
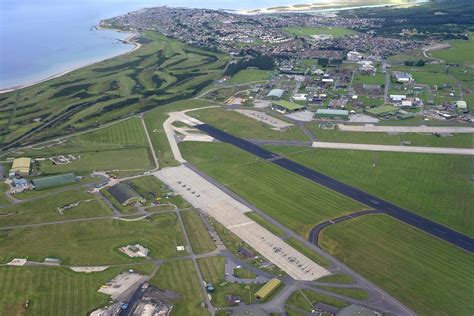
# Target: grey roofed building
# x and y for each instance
(125, 194)
(326, 308)
(276, 93)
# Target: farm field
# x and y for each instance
(434, 186)
(212, 269)
(51, 291)
(430, 276)
(249, 75)
(29, 212)
(201, 241)
(181, 277)
(335, 135)
(94, 242)
(308, 31)
(160, 72)
(242, 126)
(270, 188)
(377, 79)
(460, 52)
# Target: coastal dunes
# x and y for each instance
(159, 72)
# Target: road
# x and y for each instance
(426, 225)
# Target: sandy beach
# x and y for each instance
(129, 40)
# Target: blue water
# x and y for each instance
(42, 38)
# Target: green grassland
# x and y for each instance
(201, 241)
(4, 200)
(51, 291)
(292, 200)
(213, 271)
(459, 52)
(429, 275)
(434, 186)
(181, 277)
(242, 126)
(432, 78)
(160, 72)
(262, 222)
(358, 294)
(305, 300)
(335, 135)
(308, 31)
(93, 242)
(44, 209)
(337, 278)
(154, 122)
(152, 189)
(377, 79)
(249, 75)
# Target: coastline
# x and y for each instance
(321, 7)
(128, 40)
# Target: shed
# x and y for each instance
(125, 194)
(331, 113)
(275, 93)
(21, 166)
(287, 107)
(268, 289)
(53, 181)
(461, 105)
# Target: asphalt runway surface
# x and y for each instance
(426, 225)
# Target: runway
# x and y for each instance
(426, 225)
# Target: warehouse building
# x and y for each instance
(54, 181)
(268, 289)
(332, 114)
(21, 166)
(287, 107)
(275, 94)
(125, 194)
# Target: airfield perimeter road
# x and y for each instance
(430, 227)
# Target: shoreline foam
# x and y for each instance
(128, 40)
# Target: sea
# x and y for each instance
(43, 38)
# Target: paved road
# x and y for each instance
(405, 129)
(428, 226)
(314, 233)
(395, 148)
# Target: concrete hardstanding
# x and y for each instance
(204, 195)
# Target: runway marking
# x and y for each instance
(238, 225)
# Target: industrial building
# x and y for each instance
(275, 94)
(268, 289)
(53, 181)
(287, 107)
(332, 114)
(125, 194)
(21, 166)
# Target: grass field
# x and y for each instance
(434, 186)
(45, 209)
(181, 277)
(160, 72)
(292, 200)
(377, 79)
(4, 200)
(305, 299)
(51, 291)
(337, 278)
(460, 52)
(262, 222)
(308, 31)
(242, 126)
(358, 294)
(430, 276)
(249, 75)
(154, 123)
(93, 242)
(201, 241)
(152, 189)
(335, 135)
(212, 269)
